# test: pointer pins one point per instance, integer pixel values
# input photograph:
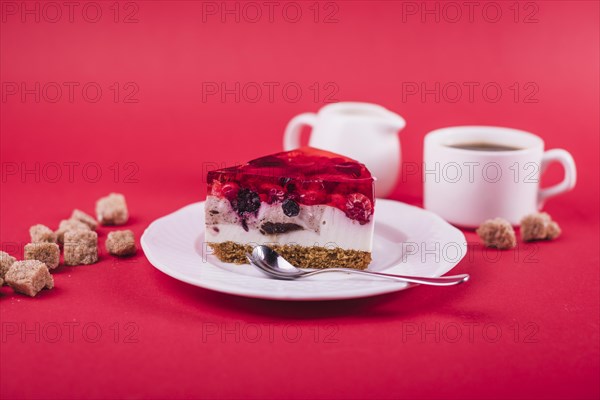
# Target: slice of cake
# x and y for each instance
(313, 207)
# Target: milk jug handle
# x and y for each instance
(291, 137)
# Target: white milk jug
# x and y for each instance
(365, 132)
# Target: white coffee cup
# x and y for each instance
(362, 131)
(467, 186)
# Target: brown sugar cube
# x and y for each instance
(69, 225)
(41, 233)
(121, 243)
(29, 277)
(87, 219)
(81, 247)
(539, 226)
(112, 210)
(48, 253)
(553, 231)
(6, 260)
(497, 233)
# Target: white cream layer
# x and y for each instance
(324, 226)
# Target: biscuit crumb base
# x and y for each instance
(299, 256)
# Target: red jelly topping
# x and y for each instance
(307, 176)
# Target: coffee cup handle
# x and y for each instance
(291, 137)
(568, 183)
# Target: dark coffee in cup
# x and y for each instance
(483, 146)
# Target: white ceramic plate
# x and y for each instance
(408, 241)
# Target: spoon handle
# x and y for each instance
(441, 281)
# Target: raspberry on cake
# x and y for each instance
(313, 207)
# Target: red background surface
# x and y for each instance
(176, 340)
